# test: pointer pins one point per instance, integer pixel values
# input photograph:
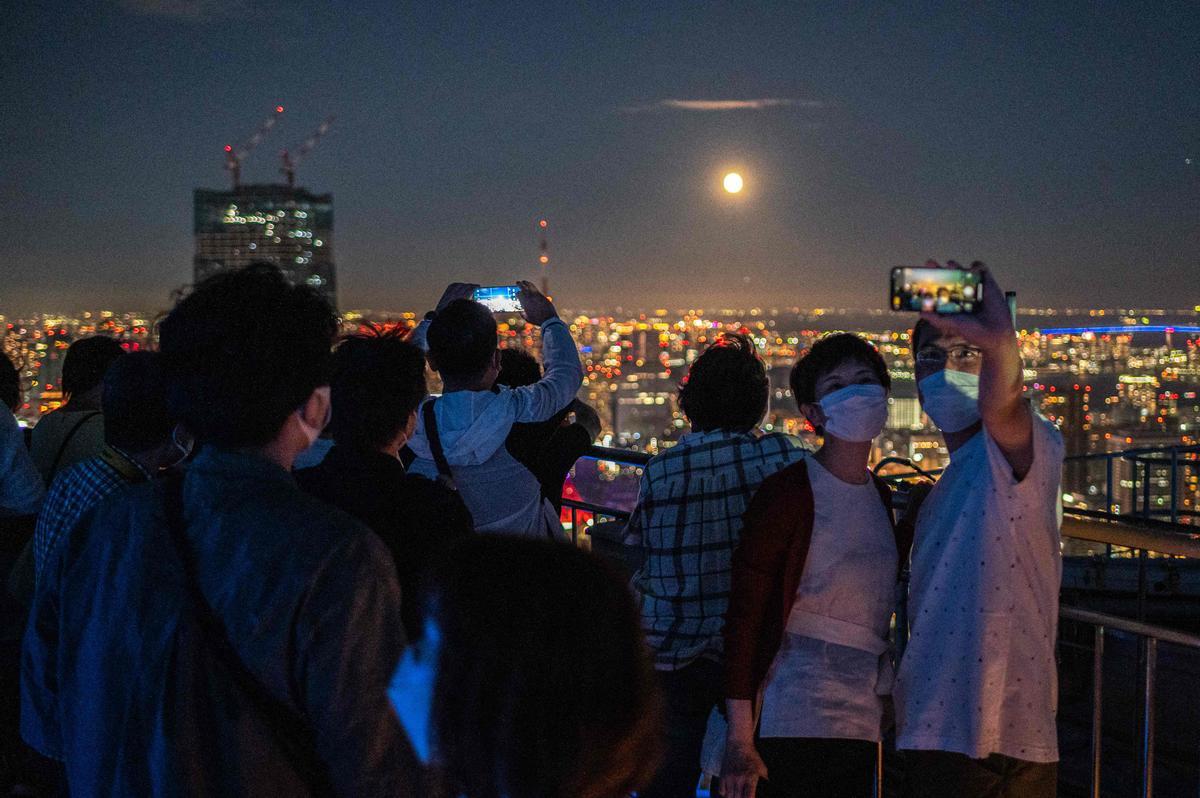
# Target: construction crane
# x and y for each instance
(235, 156)
(289, 163)
(544, 254)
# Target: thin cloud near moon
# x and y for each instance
(756, 104)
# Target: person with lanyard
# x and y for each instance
(140, 441)
(812, 595)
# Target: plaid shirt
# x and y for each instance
(75, 491)
(689, 517)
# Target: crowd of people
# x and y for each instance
(264, 559)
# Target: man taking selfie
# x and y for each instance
(977, 690)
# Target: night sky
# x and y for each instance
(1052, 142)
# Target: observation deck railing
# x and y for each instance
(1156, 525)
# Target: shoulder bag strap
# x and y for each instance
(288, 727)
(435, 445)
(62, 448)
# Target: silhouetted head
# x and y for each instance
(517, 368)
(726, 388)
(243, 352)
(10, 384)
(378, 383)
(462, 342)
(86, 362)
(543, 687)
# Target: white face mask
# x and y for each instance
(856, 412)
(951, 399)
(411, 691)
(310, 432)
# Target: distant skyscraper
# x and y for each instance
(278, 224)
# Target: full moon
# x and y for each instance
(733, 182)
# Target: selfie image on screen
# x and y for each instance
(936, 290)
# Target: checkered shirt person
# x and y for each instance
(689, 520)
(74, 492)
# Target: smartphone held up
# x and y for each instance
(945, 291)
(499, 298)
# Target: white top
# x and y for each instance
(21, 486)
(825, 681)
(504, 497)
(978, 676)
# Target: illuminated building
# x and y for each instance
(286, 226)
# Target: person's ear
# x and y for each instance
(316, 409)
(813, 412)
(496, 360)
(432, 363)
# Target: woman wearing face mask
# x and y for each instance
(531, 679)
(807, 663)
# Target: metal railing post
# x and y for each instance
(1097, 706)
(1174, 485)
(1108, 486)
(1148, 719)
(1141, 594)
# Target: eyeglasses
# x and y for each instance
(958, 356)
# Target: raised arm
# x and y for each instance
(1006, 415)
(563, 372)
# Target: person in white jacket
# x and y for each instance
(473, 416)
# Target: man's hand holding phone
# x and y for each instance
(456, 291)
(990, 328)
(536, 306)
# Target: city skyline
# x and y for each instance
(1057, 144)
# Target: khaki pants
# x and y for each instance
(942, 774)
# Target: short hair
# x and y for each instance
(378, 381)
(243, 351)
(919, 329)
(517, 368)
(86, 362)
(829, 352)
(462, 339)
(543, 686)
(10, 384)
(136, 417)
(726, 388)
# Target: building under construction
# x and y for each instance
(275, 223)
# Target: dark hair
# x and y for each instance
(828, 353)
(517, 368)
(726, 388)
(135, 403)
(919, 329)
(242, 351)
(86, 362)
(378, 381)
(543, 687)
(462, 339)
(10, 384)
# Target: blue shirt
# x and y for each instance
(306, 596)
